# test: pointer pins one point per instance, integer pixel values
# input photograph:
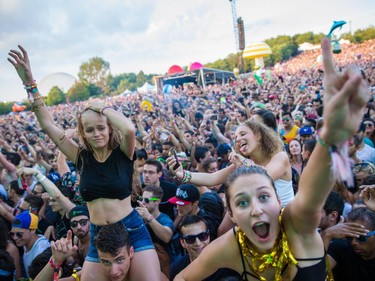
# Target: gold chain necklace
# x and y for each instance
(277, 257)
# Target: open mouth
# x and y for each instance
(262, 229)
(243, 146)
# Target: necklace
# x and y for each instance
(277, 257)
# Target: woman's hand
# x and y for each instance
(368, 195)
(345, 95)
(21, 63)
(236, 159)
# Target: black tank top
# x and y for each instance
(110, 179)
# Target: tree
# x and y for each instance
(55, 96)
(141, 79)
(78, 92)
(95, 71)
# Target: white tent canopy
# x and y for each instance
(146, 88)
(126, 92)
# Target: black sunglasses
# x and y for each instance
(203, 236)
(82, 222)
(18, 234)
(362, 238)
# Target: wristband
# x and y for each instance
(41, 179)
(75, 276)
(56, 269)
(150, 218)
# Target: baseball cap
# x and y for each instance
(304, 131)
(54, 177)
(223, 149)
(25, 220)
(68, 179)
(185, 195)
(79, 211)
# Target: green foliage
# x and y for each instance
(78, 92)
(55, 96)
(141, 79)
(95, 71)
(360, 35)
(6, 107)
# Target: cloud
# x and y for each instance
(150, 35)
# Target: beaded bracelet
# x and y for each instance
(247, 162)
(28, 85)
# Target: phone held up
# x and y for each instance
(173, 152)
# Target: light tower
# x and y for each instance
(235, 25)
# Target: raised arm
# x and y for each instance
(344, 98)
(206, 179)
(21, 63)
(52, 189)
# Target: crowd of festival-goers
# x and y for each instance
(239, 177)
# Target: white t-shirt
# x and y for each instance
(366, 154)
(39, 246)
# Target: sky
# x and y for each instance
(152, 35)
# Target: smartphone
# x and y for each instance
(214, 117)
(173, 152)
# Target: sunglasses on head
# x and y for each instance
(147, 200)
(203, 236)
(81, 222)
(18, 234)
(362, 238)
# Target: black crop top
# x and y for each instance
(110, 179)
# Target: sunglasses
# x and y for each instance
(18, 234)
(368, 124)
(147, 200)
(362, 238)
(203, 236)
(81, 222)
(286, 119)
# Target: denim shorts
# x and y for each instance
(139, 236)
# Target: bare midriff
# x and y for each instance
(105, 211)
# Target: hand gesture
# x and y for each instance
(345, 95)
(142, 211)
(50, 233)
(63, 248)
(21, 63)
(368, 195)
